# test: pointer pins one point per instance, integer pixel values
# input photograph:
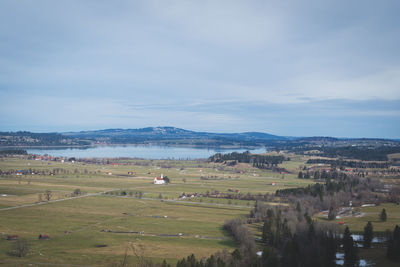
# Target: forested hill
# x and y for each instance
(38, 139)
(160, 135)
(164, 133)
(180, 137)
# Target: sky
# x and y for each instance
(292, 68)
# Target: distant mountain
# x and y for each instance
(169, 133)
(317, 139)
(180, 137)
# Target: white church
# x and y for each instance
(159, 180)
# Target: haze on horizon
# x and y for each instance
(291, 68)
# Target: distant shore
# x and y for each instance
(140, 144)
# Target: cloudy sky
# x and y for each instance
(295, 68)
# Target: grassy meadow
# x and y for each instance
(101, 226)
(98, 229)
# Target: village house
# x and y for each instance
(12, 237)
(159, 180)
(44, 237)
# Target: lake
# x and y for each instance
(132, 151)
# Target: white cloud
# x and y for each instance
(226, 23)
(93, 60)
(319, 85)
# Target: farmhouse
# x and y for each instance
(159, 180)
(12, 237)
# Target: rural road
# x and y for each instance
(111, 190)
(189, 202)
(57, 200)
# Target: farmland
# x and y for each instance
(100, 212)
(103, 224)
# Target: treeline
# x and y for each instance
(13, 152)
(393, 251)
(321, 175)
(378, 153)
(270, 167)
(312, 190)
(318, 189)
(244, 256)
(246, 157)
(24, 138)
(286, 247)
(339, 192)
(239, 196)
(289, 238)
(54, 171)
(350, 185)
(351, 164)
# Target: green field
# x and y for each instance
(100, 226)
(95, 229)
(357, 223)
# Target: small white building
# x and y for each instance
(159, 180)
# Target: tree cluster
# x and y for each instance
(246, 157)
(13, 152)
(375, 153)
(286, 242)
(393, 251)
(350, 249)
(322, 175)
(349, 163)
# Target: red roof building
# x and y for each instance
(12, 237)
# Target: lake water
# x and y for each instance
(146, 152)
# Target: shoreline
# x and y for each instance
(126, 145)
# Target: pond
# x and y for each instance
(362, 262)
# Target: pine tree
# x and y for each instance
(311, 232)
(191, 260)
(350, 250)
(290, 254)
(211, 262)
(393, 252)
(330, 251)
(331, 214)
(300, 176)
(181, 263)
(368, 235)
(236, 257)
(267, 234)
(269, 257)
(383, 215)
(298, 207)
(164, 264)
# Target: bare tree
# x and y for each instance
(48, 195)
(331, 214)
(40, 197)
(21, 248)
(137, 252)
